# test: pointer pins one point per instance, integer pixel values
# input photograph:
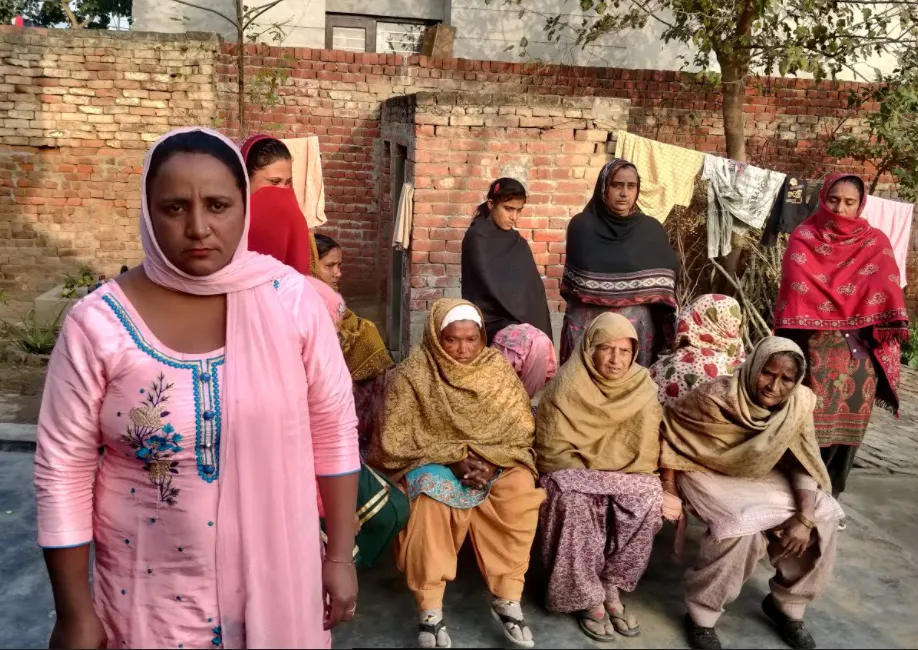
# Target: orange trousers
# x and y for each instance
(502, 529)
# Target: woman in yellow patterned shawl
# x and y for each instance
(457, 430)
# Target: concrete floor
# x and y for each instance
(870, 603)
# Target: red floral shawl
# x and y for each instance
(840, 274)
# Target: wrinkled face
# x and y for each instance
(198, 212)
(329, 267)
(462, 340)
(277, 174)
(622, 192)
(843, 199)
(777, 381)
(613, 359)
(506, 214)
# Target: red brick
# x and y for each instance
(446, 258)
(549, 235)
(558, 134)
(547, 258)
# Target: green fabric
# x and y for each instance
(383, 510)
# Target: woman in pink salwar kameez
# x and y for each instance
(211, 379)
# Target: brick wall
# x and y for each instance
(337, 95)
(462, 141)
(78, 108)
(77, 112)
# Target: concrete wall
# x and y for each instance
(483, 31)
(302, 21)
(418, 9)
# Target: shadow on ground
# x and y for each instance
(869, 604)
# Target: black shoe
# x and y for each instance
(792, 630)
(701, 638)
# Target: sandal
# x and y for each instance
(432, 632)
(510, 616)
(625, 624)
(586, 616)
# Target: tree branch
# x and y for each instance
(760, 323)
(213, 11)
(74, 21)
(643, 7)
(256, 13)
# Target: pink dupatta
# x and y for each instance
(267, 550)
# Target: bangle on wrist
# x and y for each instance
(806, 522)
(341, 562)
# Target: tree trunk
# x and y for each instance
(733, 88)
(240, 65)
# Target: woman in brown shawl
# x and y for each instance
(748, 464)
(457, 431)
(598, 447)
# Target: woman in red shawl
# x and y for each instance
(840, 300)
(278, 226)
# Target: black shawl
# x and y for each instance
(605, 250)
(500, 277)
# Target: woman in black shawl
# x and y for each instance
(499, 275)
(620, 260)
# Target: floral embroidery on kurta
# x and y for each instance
(154, 441)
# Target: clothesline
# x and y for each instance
(741, 195)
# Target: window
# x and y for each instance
(363, 34)
(399, 38)
(350, 33)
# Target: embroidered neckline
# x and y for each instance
(207, 402)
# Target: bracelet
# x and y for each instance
(806, 522)
(341, 562)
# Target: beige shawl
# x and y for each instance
(586, 421)
(718, 428)
(437, 409)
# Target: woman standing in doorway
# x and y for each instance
(620, 260)
(500, 276)
(210, 377)
(840, 300)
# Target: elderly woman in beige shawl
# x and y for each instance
(598, 447)
(748, 465)
(457, 430)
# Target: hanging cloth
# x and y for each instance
(667, 172)
(401, 237)
(736, 192)
(307, 178)
(893, 219)
(797, 200)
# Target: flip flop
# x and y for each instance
(625, 624)
(586, 615)
(505, 619)
(434, 631)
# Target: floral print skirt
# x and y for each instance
(597, 533)
(845, 389)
